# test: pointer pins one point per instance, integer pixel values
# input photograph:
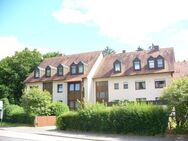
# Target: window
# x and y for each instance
(117, 66)
(60, 88)
(116, 86)
(102, 94)
(60, 70)
(77, 87)
(160, 62)
(125, 85)
(140, 85)
(151, 64)
(71, 87)
(80, 69)
(137, 64)
(73, 69)
(37, 73)
(48, 71)
(160, 84)
(141, 99)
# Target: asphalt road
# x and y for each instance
(13, 139)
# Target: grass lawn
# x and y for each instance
(8, 124)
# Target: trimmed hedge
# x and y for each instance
(57, 108)
(16, 114)
(132, 118)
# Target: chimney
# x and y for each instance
(154, 47)
(123, 51)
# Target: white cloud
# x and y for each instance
(127, 21)
(9, 45)
(180, 42)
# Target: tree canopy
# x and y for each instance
(177, 96)
(51, 54)
(108, 51)
(13, 72)
(139, 48)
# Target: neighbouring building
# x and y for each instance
(138, 75)
(181, 69)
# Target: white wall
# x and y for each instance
(38, 84)
(88, 83)
(60, 96)
(150, 93)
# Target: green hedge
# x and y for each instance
(16, 114)
(132, 118)
(57, 108)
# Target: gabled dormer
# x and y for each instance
(160, 64)
(50, 71)
(62, 69)
(38, 72)
(117, 66)
(137, 64)
(151, 62)
(73, 68)
(81, 67)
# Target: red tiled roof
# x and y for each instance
(88, 58)
(181, 69)
(105, 69)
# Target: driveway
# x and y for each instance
(50, 133)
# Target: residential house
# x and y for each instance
(68, 77)
(138, 75)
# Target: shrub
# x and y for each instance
(57, 108)
(16, 114)
(36, 102)
(132, 118)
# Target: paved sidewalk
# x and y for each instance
(50, 133)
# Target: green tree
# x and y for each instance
(139, 48)
(14, 70)
(36, 102)
(108, 51)
(177, 96)
(51, 54)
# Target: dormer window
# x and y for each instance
(137, 64)
(80, 68)
(117, 66)
(48, 71)
(60, 70)
(37, 73)
(151, 63)
(73, 68)
(160, 62)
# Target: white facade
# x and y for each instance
(88, 82)
(60, 96)
(37, 85)
(150, 92)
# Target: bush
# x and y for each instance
(57, 108)
(36, 102)
(16, 114)
(132, 118)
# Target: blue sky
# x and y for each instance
(74, 26)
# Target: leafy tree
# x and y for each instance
(108, 51)
(51, 54)
(13, 72)
(140, 48)
(57, 108)
(36, 102)
(177, 96)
